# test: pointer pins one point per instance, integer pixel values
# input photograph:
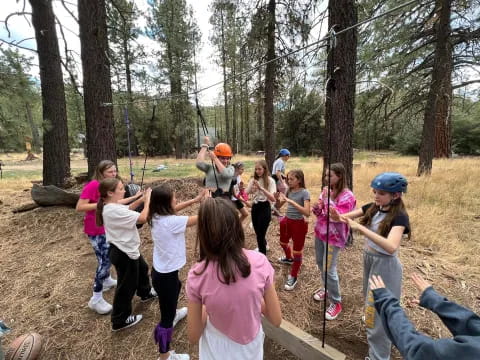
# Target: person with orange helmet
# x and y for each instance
(218, 174)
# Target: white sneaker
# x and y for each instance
(179, 315)
(100, 306)
(175, 356)
(109, 283)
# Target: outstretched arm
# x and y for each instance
(459, 320)
(410, 343)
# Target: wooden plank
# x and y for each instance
(299, 342)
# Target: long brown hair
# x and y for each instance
(160, 202)
(101, 167)
(397, 206)
(221, 239)
(339, 170)
(266, 172)
(106, 185)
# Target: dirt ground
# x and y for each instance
(47, 268)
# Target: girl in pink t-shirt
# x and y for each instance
(343, 201)
(96, 234)
(229, 288)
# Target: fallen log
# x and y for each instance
(25, 207)
(51, 195)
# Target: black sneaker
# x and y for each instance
(131, 320)
(150, 296)
(286, 261)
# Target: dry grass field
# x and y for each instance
(47, 264)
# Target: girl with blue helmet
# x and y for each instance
(383, 223)
(278, 170)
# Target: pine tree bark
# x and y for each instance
(269, 125)
(436, 134)
(56, 153)
(97, 87)
(340, 97)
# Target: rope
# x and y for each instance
(205, 132)
(146, 151)
(127, 122)
(331, 52)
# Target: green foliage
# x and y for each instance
(300, 125)
(466, 128)
(19, 93)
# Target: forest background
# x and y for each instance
(395, 76)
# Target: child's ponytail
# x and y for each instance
(99, 213)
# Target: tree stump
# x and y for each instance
(51, 195)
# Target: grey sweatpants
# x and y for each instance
(390, 269)
(333, 285)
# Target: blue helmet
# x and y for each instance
(390, 182)
(284, 152)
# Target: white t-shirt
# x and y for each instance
(278, 165)
(120, 228)
(168, 234)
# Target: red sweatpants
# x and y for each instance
(297, 231)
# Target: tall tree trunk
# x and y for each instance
(247, 115)
(242, 117)
(437, 110)
(97, 86)
(225, 90)
(443, 111)
(35, 135)
(56, 153)
(340, 101)
(269, 126)
(128, 75)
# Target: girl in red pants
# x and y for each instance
(294, 224)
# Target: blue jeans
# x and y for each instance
(100, 246)
(333, 284)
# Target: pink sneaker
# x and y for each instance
(319, 295)
(333, 310)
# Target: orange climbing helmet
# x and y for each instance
(223, 149)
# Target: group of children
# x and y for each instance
(229, 287)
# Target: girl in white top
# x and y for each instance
(262, 188)
(169, 256)
(120, 229)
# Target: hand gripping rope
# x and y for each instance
(205, 132)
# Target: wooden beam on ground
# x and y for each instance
(299, 342)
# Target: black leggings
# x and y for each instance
(132, 276)
(261, 217)
(167, 286)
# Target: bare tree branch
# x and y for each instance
(14, 14)
(16, 44)
(465, 84)
(68, 10)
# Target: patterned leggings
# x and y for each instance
(100, 246)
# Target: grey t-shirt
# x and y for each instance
(299, 197)
(224, 178)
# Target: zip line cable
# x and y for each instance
(256, 67)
